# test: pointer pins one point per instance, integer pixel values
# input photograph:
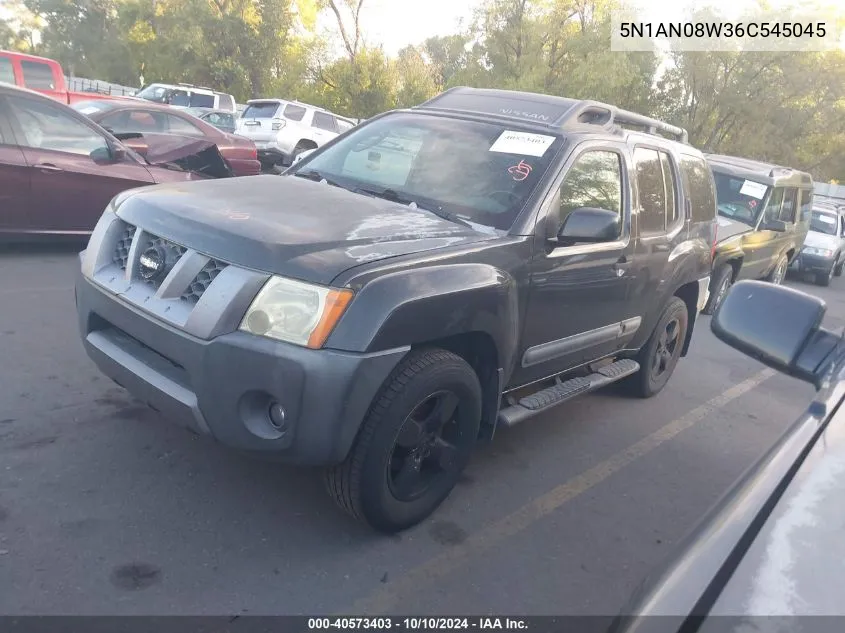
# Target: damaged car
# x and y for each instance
(59, 169)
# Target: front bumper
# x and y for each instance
(804, 263)
(223, 387)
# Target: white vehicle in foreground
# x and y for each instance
(281, 130)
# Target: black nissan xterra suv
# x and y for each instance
(408, 287)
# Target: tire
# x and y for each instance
(837, 269)
(824, 279)
(722, 283)
(375, 483)
(645, 383)
(778, 273)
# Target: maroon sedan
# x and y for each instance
(131, 116)
(59, 169)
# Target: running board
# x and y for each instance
(564, 390)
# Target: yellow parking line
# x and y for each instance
(403, 587)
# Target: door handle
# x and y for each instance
(621, 265)
(48, 167)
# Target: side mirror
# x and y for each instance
(102, 155)
(778, 326)
(587, 224)
(778, 226)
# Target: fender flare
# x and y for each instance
(417, 305)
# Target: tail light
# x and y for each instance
(278, 124)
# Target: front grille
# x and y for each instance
(121, 250)
(203, 280)
(172, 253)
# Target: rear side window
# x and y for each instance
(178, 125)
(37, 75)
(324, 121)
(806, 204)
(790, 202)
(260, 111)
(294, 112)
(226, 102)
(651, 189)
(199, 100)
(699, 187)
(7, 73)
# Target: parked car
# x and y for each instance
(221, 119)
(772, 545)
(41, 75)
(823, 254)
(58, 169)
(283, 129)
(403, 291)
(187, 96)
(127, 117)
(764, 217)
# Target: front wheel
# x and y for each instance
(837, 269)
(721, 284)
(661, 353)
(778, 274)
(413, 445)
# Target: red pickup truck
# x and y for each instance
(42, 75)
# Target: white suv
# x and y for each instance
(183, 96)
(283, 129)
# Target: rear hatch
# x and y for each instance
(257, 121)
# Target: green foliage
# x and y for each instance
(783, 107)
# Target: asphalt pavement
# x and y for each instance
(106, 508)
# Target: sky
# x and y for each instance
(397, 23)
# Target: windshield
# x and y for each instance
(738, 198)
(478, 172)
(823, 222)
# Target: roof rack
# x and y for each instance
(598, 113)
(558, 112)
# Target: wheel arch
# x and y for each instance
(688, 293)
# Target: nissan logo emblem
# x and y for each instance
(152, 263)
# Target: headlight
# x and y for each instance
(821, 252)
(296, 312)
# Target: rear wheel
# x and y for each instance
(413, 445)
(661, 353)
(722, 283)
(837, 269)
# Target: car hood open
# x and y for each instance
(287, 225)
(188, 153)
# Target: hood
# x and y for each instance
(289, 226)
(188, 153)
(730, 228)
(821, 240)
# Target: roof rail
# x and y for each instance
(186, 85)
(598, 113)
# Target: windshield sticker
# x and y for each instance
(521, 171)
(827, 219)
(753, 189)
(89, 110)
(510, 142)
